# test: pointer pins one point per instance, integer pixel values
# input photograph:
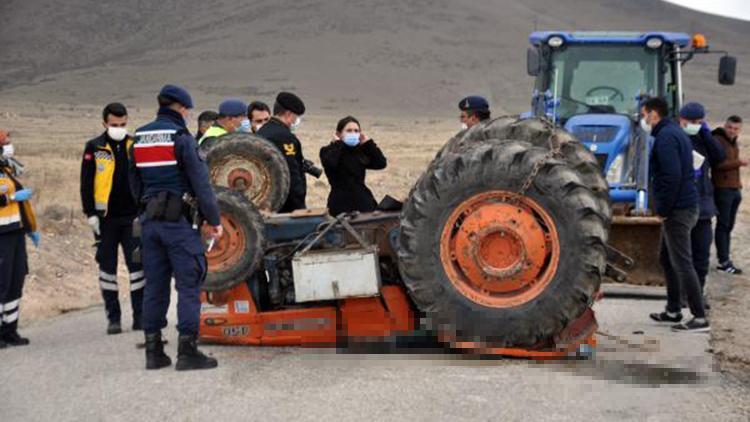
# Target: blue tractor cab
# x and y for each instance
(592, 84)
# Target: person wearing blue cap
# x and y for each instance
(474, 109)
(167, 178)
(232, 118)
(676, 202)
(707, 154)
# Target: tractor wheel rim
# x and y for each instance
(229, 249)
(247, 175)
(499, 249)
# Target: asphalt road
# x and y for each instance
(73, 371)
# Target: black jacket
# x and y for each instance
(121, 203)
(345, 169)
(280, 135)
(671, 164)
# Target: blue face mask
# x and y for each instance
(351, 139)
(245, 126)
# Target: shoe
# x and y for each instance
(189, 357)
(666, 317)
(14, 339)
(114, 328)
(729, 268)
(155, 356)
(137, 326)
(693, 326)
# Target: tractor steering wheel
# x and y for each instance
(615, 92)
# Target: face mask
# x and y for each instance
(257, 128)
(464, 126)
(8, 150)
(351, 139)
(296, 124)
(117, 133)
(244, 126)
(692, 128)
(645, 126)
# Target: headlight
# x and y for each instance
(555, 41)
(614, 173)
(654, 42)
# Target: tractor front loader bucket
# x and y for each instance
(638, 238)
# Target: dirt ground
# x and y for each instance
(49, 140)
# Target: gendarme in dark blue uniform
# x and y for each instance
(166, 166)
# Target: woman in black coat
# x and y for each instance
(345, 161)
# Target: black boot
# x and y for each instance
(155, 356)
(189, 357)
(114, 327)
(14, 339)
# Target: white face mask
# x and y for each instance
(296, 124)
(645, 126)
(692, 128)
(8, 150)
(117, 133)
(464, 126)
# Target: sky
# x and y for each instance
(738, 9)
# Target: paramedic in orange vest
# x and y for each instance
(16, 220)
(111, 209)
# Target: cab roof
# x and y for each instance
(610, 37)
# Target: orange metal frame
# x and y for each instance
(231, 317)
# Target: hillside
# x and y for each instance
(414, 57)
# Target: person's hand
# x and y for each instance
(215, 232)
(22, 195)
(36, 238)
(362, 138)
(93, 222)
(336, 137)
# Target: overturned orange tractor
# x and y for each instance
(499, 248)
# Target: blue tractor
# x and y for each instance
(592, 84)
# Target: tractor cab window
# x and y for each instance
(602, 79)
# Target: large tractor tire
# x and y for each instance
(490, 265)
(252, 166)
(540, 134)
(238, 253)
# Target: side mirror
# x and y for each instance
(727, 70)
(533, 62)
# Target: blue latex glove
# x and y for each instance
(22, 195)
(35, 238)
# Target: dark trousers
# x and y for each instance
(13, 270)
(676, 259)
(115, 233)
(727, 203)
(172, 249)
(701, 237)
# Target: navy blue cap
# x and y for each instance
(232, 107)
(474, 103)
(177, 94)
(692, 111)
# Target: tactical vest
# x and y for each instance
(105, 170)
(156, 160)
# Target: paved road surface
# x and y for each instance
(73, 371)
